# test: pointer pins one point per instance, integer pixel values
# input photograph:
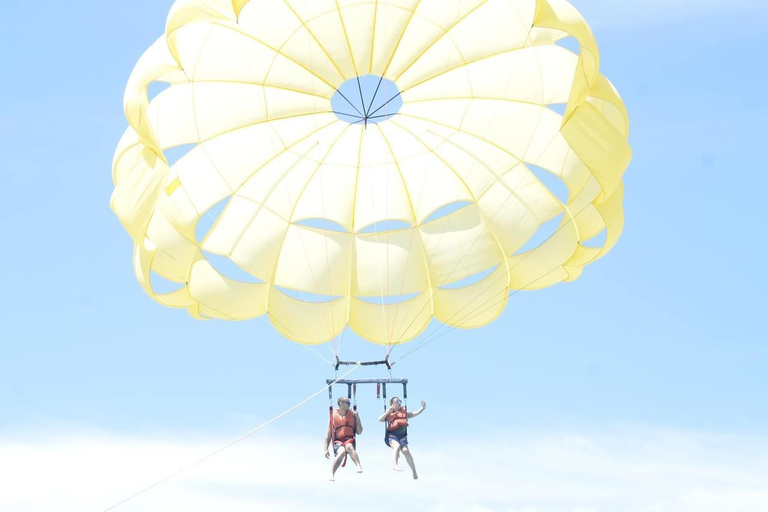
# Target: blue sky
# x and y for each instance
(661, 343)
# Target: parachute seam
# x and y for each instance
(253, 217)
(325, 13)
(312, 34)
(353, 245)
(259, 168)
(327, 256)
(564, 206)
(277, 52)
(426, 260)
(440, 37)
(400, 39)
(602, 251)
(391, 326)
(487, 224)
(197, 124)
(463, 64)
(458, 50)
(489, 98)
(373, 34)
(497, 178)
(295, 204)
(416, 227)
(256, 84)
(119, 156)
(265, 121)
(460, 130)
(376, 238)
(346, 37)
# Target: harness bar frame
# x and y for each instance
(354, 382)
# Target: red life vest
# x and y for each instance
(344, 427)
(397, 419)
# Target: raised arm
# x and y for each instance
(358, 424)
(383, 417)
(417, 411)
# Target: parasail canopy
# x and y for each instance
(368, 163)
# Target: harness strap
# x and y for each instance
(344, 446)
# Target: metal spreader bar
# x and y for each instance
(384, 362)
(367, 381)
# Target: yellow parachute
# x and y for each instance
(374, 158)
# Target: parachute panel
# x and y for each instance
(390, 324)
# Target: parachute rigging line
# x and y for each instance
(228, 445)
(437, 335)
(311, 350)
(448, 328)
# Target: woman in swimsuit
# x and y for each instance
(397, 431)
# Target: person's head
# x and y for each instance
(395, 402)
(343, 402)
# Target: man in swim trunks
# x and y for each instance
(342, 429)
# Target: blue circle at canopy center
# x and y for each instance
(366, 99)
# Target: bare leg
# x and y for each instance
(395, 454)
(409, 459)
(336, 464)
(353, 455)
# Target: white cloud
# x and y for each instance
(622, 471)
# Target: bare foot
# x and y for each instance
(397, 468)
